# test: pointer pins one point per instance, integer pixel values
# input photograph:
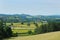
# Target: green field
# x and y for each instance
(23, 28)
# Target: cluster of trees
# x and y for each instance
(49, 27)
(5, 31)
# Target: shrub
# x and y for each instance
(30, 32)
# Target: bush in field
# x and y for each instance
(11, 23)
(28, 24)
(22, 22)
(15, 34)
(29, 32)
(36, 24)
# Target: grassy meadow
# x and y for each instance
(23, 28)
(46, 36)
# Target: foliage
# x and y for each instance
(5, 31)
(29, 32)
(50, 27)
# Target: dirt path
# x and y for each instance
(46, 36)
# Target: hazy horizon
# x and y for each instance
(28, 14)
(31, 7)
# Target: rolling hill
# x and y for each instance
(46, 36)
(28, 18)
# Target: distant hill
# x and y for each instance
(28, 18)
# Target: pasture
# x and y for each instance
(23, 28)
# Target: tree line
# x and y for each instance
(49, 27)
(5, 31)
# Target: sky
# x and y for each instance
(31, 7)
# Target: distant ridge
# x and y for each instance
(28, 18)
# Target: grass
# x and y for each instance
(46, 36)
(21, 26)
(21, 30)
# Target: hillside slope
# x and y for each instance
(46, 36)
(28, 18)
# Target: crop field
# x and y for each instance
(22, 28)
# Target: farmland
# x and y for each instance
(23, 28)
(29, 28)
